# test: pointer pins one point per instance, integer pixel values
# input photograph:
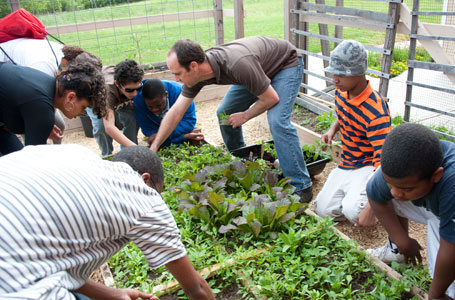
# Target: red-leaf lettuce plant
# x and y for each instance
(239, 196)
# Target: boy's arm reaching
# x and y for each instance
(444, 273)
(407, 246)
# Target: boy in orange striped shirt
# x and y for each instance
(363, 120)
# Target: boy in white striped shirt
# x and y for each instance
(64, 212)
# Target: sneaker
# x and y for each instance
(386, 253)
(305, 195)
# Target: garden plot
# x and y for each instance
(302, 257)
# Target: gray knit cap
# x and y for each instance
(349, 58)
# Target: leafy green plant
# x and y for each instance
(239, 196)
(418, 275)
(398, 120)
(399, 60)
(310, 261)
(325, 121)
(315, 152)
(224, 118)
(180, 160)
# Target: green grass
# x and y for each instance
(152, 41)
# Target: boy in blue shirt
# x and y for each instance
(152, 103)
(416, 181)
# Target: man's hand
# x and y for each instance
(411, 251)
(237, 119)
(193, 136)
(56, 133)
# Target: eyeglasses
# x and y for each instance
(132, 90)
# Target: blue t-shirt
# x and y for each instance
(150, 123)
(440, 200)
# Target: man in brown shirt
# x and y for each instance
(265, 74)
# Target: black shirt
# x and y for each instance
(26, 102)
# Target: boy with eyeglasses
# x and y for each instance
(151, 105)
(123, 82)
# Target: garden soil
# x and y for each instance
(253, 132)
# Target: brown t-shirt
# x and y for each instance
(115, 99)
(251, 62)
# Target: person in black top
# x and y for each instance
(29, 97)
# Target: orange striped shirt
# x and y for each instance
(364, 123)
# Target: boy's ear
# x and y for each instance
(437, 175)
(146, 178)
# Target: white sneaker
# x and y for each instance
(386, 253)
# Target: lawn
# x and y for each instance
(150, 42)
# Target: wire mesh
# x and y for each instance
(170, 20)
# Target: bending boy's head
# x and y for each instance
(155, 95)
(146, 162)
(411, 150)
(349, 58)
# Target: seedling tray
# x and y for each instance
(253, 152)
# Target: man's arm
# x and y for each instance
(98, 291)
(407, 246)
(194, 286)
(444, 273)
(170, 121)
(113, 131)
(266, 100)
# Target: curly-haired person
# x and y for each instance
(416, 181)
(29, 98)
(45, 56)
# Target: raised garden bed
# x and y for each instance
(303, 258)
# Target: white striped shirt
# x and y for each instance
(64, 211)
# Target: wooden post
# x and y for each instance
(389, 42)
(304, 44)
(294, 23)
(288, 20)
(300, 42)
(14, 5)
(325, 45)
(239, 16)
(339, 28)
(218, 18)
(412, 50)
